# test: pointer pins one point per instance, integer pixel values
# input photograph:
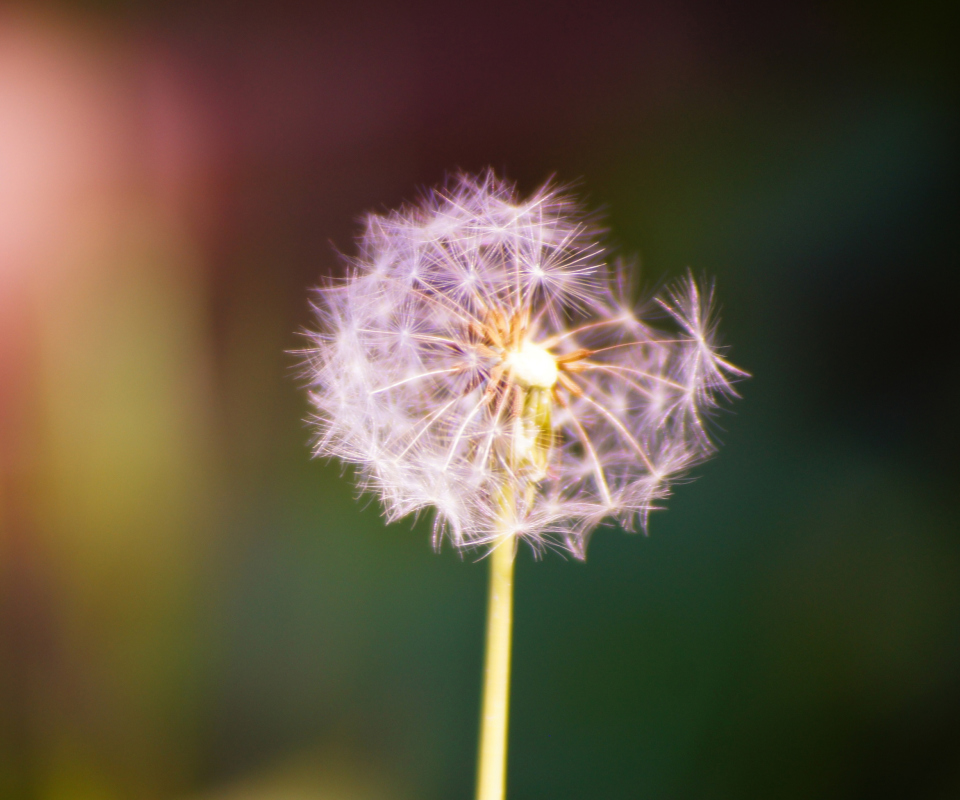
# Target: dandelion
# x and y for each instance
(478, 348)
(481, 359)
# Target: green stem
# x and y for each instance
(492, 769)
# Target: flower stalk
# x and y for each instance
(529, 453)
(492, 761)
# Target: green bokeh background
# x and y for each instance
(191, 607)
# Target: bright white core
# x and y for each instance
(532, 365)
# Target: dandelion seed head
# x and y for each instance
(479, 359)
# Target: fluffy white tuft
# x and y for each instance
(464, 312)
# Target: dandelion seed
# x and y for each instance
(479, 348)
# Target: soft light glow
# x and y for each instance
(533, 366)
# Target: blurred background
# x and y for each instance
(192, 608)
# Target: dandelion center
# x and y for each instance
(533, 366)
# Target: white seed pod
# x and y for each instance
(476, 360)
